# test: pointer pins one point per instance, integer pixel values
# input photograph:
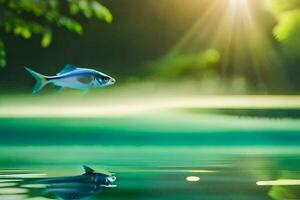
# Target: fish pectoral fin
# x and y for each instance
(67, 68)
(58, 88)
(108, 186)
(85, 79)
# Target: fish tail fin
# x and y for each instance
(41, 80)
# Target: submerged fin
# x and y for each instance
(88, 170)
(108, 186)
(67, 68)
(58, 88)
(41, 80)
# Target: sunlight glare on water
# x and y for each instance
(192, 178)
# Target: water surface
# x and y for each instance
(234, 154)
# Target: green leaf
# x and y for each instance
(101, 12)
(53, 4)
(24, 18)
(26, 33)
(74, 9)
(84, 6)
(2, 54)
(70, 24)
(18, 30)
(7, 27)
(78, 28)
(278, 6)
(46, 39)
(289, 25)
(36, 28)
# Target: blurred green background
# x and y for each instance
(238, 46)
(155, 127)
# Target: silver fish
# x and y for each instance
(72, 77)
(77, 187)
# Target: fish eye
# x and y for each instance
(111, 179)
(106, 78)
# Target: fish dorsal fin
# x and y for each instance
(88, 170)
(67, 68)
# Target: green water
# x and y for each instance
(153, 154)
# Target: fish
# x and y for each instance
(73, 77)
(83, 186)
(36, 185)
(78, 187)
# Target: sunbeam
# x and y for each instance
(233, 28)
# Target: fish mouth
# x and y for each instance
(112, 80)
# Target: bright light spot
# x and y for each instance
(146, 106)
(22, 175)
(234, 3)
(7, 184)
(34, 186)
(192, 178)
(202, 171)
(237, 3)
(10, 180)
(16, 197)
(279, 182)
(12, 191)
(238, 6)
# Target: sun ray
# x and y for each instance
(234, 29)
(188, 39)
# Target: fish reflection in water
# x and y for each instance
(67, 188)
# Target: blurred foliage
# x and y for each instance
(279, 192)
(278, 6)
(194, 65)
(2, 54)
(246, 46)
(287, 30)
(26, 18)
